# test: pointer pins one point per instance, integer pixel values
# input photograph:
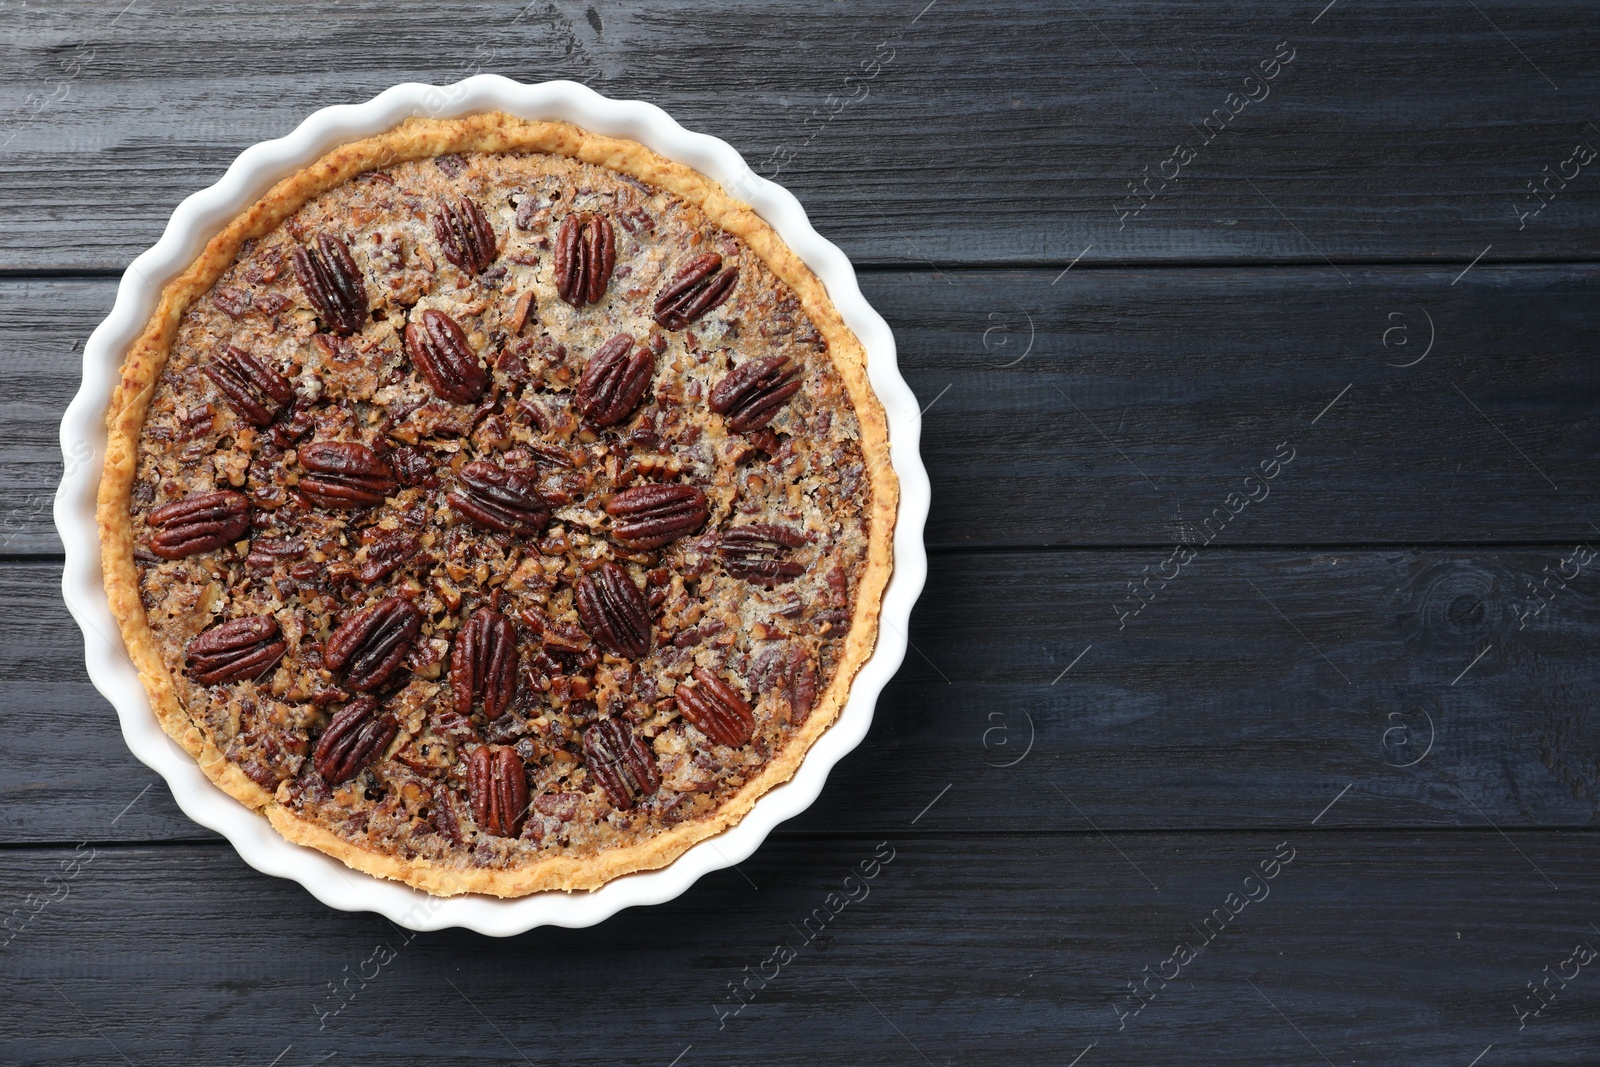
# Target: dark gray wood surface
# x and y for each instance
(1376, 664)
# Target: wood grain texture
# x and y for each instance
(1122, 407)
(1385, 661)
(1251, 691)
(957, 135)
(990, 949)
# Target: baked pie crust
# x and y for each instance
(498, 507)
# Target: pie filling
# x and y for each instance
(498, 507)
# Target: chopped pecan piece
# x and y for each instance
(620, 761)
(233, 302)
(483, 663)
(649, 516)
(439, 348)
(499, 499)
(614, 611)
(388, 552)
(716, 709)
(497, 784)
(240, 649)
(519, 315)
(754, 391)
(370, 646)
(345, 475)
(356, 736)
(760, 553)
(614, 381)
(800, 681)
(700, 285)
(199, 523)
(465, 235)
(444, 814)
(586, 253)
(561, 806)
(250, 384)
(413, 466)
(333, 283)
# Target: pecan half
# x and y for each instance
(199, 523)
(498, 499)
(356, 736)
(620, 761)
(483, 663)
(370, 646)
(465, 235)
(265, 553)
(716, 709)
(438, 346)
(243, 648)
(700, 285)
(333, 283)
(251, 385)
(754, 391)
(649, 516)
(345, 474)
(614, 611)
(614, 381)
(497, 785)
(586, 253)
(760, 553)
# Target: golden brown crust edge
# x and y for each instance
(424, 138)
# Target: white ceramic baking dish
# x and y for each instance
(83, 437)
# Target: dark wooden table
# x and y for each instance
(1252, 714)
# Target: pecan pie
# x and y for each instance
(498, 507)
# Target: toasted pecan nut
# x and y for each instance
(438, 346)
(240, 649)
(465, 235)
(497, 785)
(614, 381)
(344, 474)
(649, 516)
(199, 523)
(265, 553)
(443, 814)
(250, 385)
(620, 761)
(614, 611)
(371, 646)
(700, 285)
(483, 663)
(358, 734)
(716, 709)
(800, 683)
(333, 283)
(760, 553)
(388, 552)
(754, 391)
(499, 499)
(586, 254)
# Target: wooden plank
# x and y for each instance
(1120, 407)
(1361, 948)
(1395, 688)
(950, 134)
